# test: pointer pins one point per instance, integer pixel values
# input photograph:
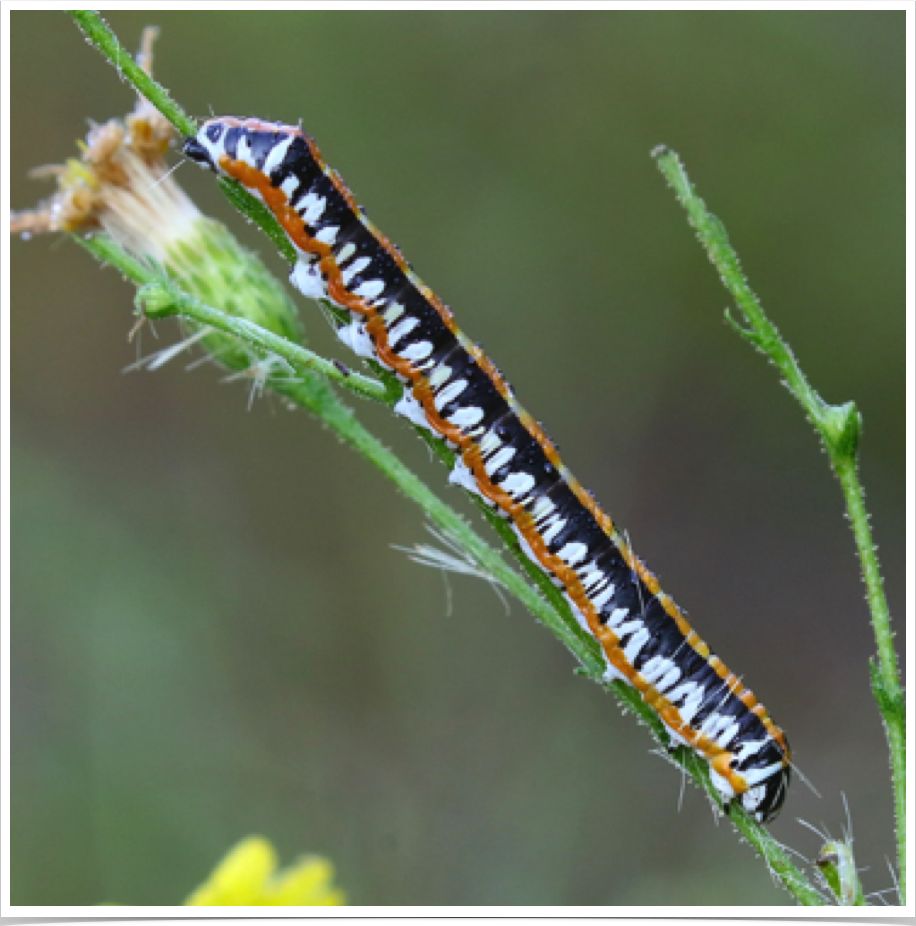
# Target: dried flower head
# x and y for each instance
(119, 183)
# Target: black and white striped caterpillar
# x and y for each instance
(504, 456)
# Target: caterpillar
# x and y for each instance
(504, 456)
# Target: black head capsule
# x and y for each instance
(197, 152)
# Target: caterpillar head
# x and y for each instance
(252, 141)
(205, 147)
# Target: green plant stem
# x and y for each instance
(447, 457)
(96, 30)
(777, 860)
(839, 427)
(299, 358)
(161, 297)
(886, 684)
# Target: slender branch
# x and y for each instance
(447, 457)
(839, 427)
(161, 297)
(97, 31)
(777, 860)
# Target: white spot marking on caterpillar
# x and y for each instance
(573, 553)
(370, 290)
(408, 407)
(450, 393)
(243, 150)
(753, 776)
(354, 269)
(728, 734)
(289, 187)
(672, 678)
(628, 628)
(462, 476)
(346, 252)
(465, 418)
(277, 155)
(749, 748)
(713, 724)
(518, 484)
(752, 799)
(617, 616)
(542, 508)
(419, 350)
(602, 598)
(692, 705)
(654, 669)
(684, 693)
(634, 647)
(306, 277)
(393, 313)
(490, 443)
(593, 580)
(312, 209)
(401, 330)
(499, 460)
(327, 235)
(356, 338)
(440, 375)
(590, 575)
(555, 527)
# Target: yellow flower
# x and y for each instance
(248, 877)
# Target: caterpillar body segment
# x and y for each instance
(505, 457)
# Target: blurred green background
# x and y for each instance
(212, 632)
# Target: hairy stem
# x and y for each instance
(839, 427)
(777, 860)
(162, 297)
(96, 30)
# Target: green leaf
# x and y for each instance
(842, 427)
(891, 703)
(837, 864)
